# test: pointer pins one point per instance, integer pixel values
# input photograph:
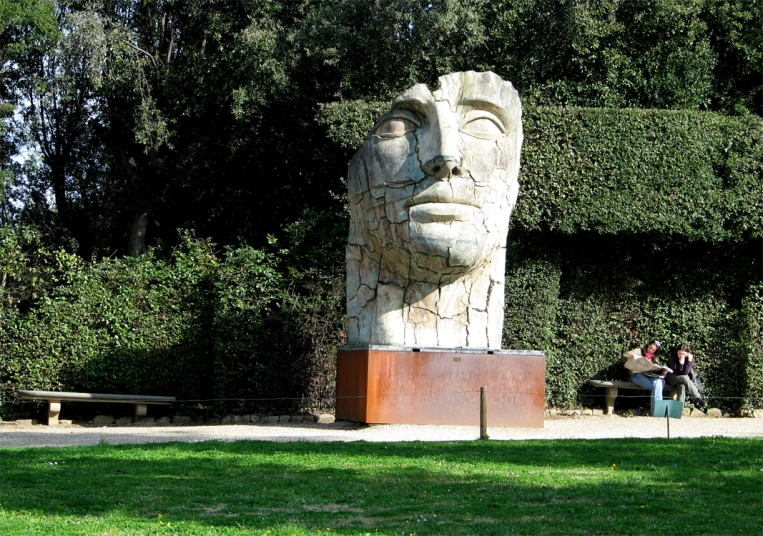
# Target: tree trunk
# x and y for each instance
(136, 238)
(74, 219)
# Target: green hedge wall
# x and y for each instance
(751, 343)
(693, 174)
(116, 326)
(584, 299)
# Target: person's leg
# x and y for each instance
(654, 385)
(659, 384)
(673, 379)
(641, 380)
(691, 387)
(683, 379)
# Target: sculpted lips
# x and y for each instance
(438, 204)
(442, 212)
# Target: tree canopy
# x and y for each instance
(134, 118)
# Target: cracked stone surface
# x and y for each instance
(431, 192)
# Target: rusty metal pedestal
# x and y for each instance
(406, 385)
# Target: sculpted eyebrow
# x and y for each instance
(409, 104)
(490, 106)
(483, 104)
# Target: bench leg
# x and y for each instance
(140, 411)
(609, 398)
(54, 409)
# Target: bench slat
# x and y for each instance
(618, 384)
(623, 385)
(96, 397)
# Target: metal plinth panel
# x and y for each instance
(404, 386)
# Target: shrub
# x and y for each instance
(588, 298)
(241, 332)
(697, 175)
(119, 325)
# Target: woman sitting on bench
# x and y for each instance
(645, 372)
(682, 363)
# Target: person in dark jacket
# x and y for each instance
(682, 363)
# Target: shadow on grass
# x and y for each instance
(424, 488)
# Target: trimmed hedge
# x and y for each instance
(687, 173)
(117, 326)
(588, 298)
(692, 174)
(751, 346)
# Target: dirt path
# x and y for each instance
(567, 428)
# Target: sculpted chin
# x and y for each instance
(431, 192)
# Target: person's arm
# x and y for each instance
(679, 367)
(688, 365)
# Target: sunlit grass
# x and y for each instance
(656, 486)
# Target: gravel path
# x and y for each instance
(12, 435)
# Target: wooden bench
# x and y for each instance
(611, 390)
(55, 398)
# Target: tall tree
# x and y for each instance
(653, 54)
(736, 35)
(152, 115)
(26, 29)
(59, 114)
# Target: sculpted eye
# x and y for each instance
(397, 125)
(482, 124)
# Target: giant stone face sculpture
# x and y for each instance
(431, 192)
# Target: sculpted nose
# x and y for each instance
(440, 144)
(443, 167)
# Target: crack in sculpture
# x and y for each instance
(432, 189)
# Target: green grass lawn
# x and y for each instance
(655, 486)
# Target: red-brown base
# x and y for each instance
(397, 385)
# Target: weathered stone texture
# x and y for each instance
(431, 192)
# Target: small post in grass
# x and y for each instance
(483, 413)
(667, 419)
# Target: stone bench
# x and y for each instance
(611, 389)
(55, 398)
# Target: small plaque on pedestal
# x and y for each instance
(408, 385)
